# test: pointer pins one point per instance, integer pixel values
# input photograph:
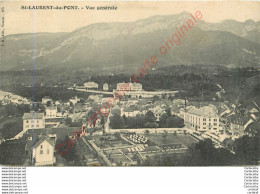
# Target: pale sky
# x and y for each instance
(23, 21)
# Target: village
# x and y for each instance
(142, 124)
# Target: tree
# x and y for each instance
(165, 134)
(139, 161)
(15, 110)
(247, 150)
(253, 129)
(102, 122)
(149, 117)
(115, 112)
(68, 121)
(48, 104)
(177, 122)
(146, 131)
(135, 156)
(91, 113)
(11, 129)
(163, 96)
(155, 98)
(150, 125)
(139, 121)
(116, 122)
(205, 154)
(162, 121)
(171, 121)
(201, 154)
(168, 112)
(71, 155)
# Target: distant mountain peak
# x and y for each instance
(127, 44)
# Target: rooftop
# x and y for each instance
(130, 109)
(90, 83)
(33, 115)
(30, 143)
(206, 111)
(46, 97)
(44, 138)
(52, 108)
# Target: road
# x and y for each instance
(100, 153)
(91, 91)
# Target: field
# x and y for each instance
(109, 141)
(171, 139)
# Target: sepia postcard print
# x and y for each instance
(129, 83)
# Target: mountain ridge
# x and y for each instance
(129, 43)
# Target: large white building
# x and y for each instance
(91, 85)
(33, 121)
(202, 119)
(135, 90)
(131, 86)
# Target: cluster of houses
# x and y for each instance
(137, 107)
(240, 122)
(8, 98)
(55, 111)
(39, 120)
(208, 119)
(136, 138)
(221, 119)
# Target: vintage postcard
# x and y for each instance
(129, 83)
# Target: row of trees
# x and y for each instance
(11, 119)
(168, 120)
(148, 120)
(56, 93)
(205, 154)
(11, 128)
(14, 110)
(193, 84)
